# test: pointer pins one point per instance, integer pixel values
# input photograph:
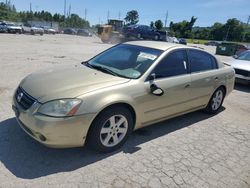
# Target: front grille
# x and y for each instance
(242, 72)
(23, 99)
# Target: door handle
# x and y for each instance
(187, 85)
(216, 78)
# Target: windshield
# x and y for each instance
(126, 60)
(244, 56)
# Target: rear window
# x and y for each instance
(201, 61)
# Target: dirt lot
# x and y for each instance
(195, 150)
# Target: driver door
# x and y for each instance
(171, 75)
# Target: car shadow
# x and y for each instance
(242, 87)
(25, 158)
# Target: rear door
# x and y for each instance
(173, 78)
(203, 68)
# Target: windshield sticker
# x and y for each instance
(147, 56)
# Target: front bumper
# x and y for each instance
(50, 131)
(242, 77)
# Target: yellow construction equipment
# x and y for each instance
(111, 32)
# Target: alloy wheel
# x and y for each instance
(114, 130)
(217, 99)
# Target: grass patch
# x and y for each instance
(197, 41)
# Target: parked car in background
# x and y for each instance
(230, 48)
(240, 48)
(84, 32)
(69, 31)
(27, 28)
(141, 32)
(12, 28)
(212, 43)
(241, 65)
(127, 87)
(182, 41)
(172, 40)
(48, 30)
(3, 27)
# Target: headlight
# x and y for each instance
(60, 108)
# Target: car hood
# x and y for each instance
(67, 82)
(241, 64)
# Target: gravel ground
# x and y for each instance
(194, 150)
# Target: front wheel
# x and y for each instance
(110, 129)
(216, 101)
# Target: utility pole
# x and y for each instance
(65, 5)
(69, 10)
(119, 15)
(108, 17)
(166, 19)
(248, 20)
(85, 14)
(30, 7)
(227, 33)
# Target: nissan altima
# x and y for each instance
(131, 85)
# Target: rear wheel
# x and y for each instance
(216, 101)
(110, 129)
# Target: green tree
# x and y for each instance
(158, 25)
(132, 17)
(234, 29)
(183, 29)
(75, 21)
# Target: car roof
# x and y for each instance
(156, 44)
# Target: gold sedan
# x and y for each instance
(129, 86)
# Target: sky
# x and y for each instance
(207, 11)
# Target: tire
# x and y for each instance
(105, 135)
(216, 101)
(32, 32)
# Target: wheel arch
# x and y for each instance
(112, 105)
(223, 87)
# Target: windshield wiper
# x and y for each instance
(103, 69)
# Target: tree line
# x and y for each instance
(232, 30)
(8, 13)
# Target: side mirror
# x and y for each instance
(235, 56)
(156, 90)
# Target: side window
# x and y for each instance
(201, 61)
(172, 65)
